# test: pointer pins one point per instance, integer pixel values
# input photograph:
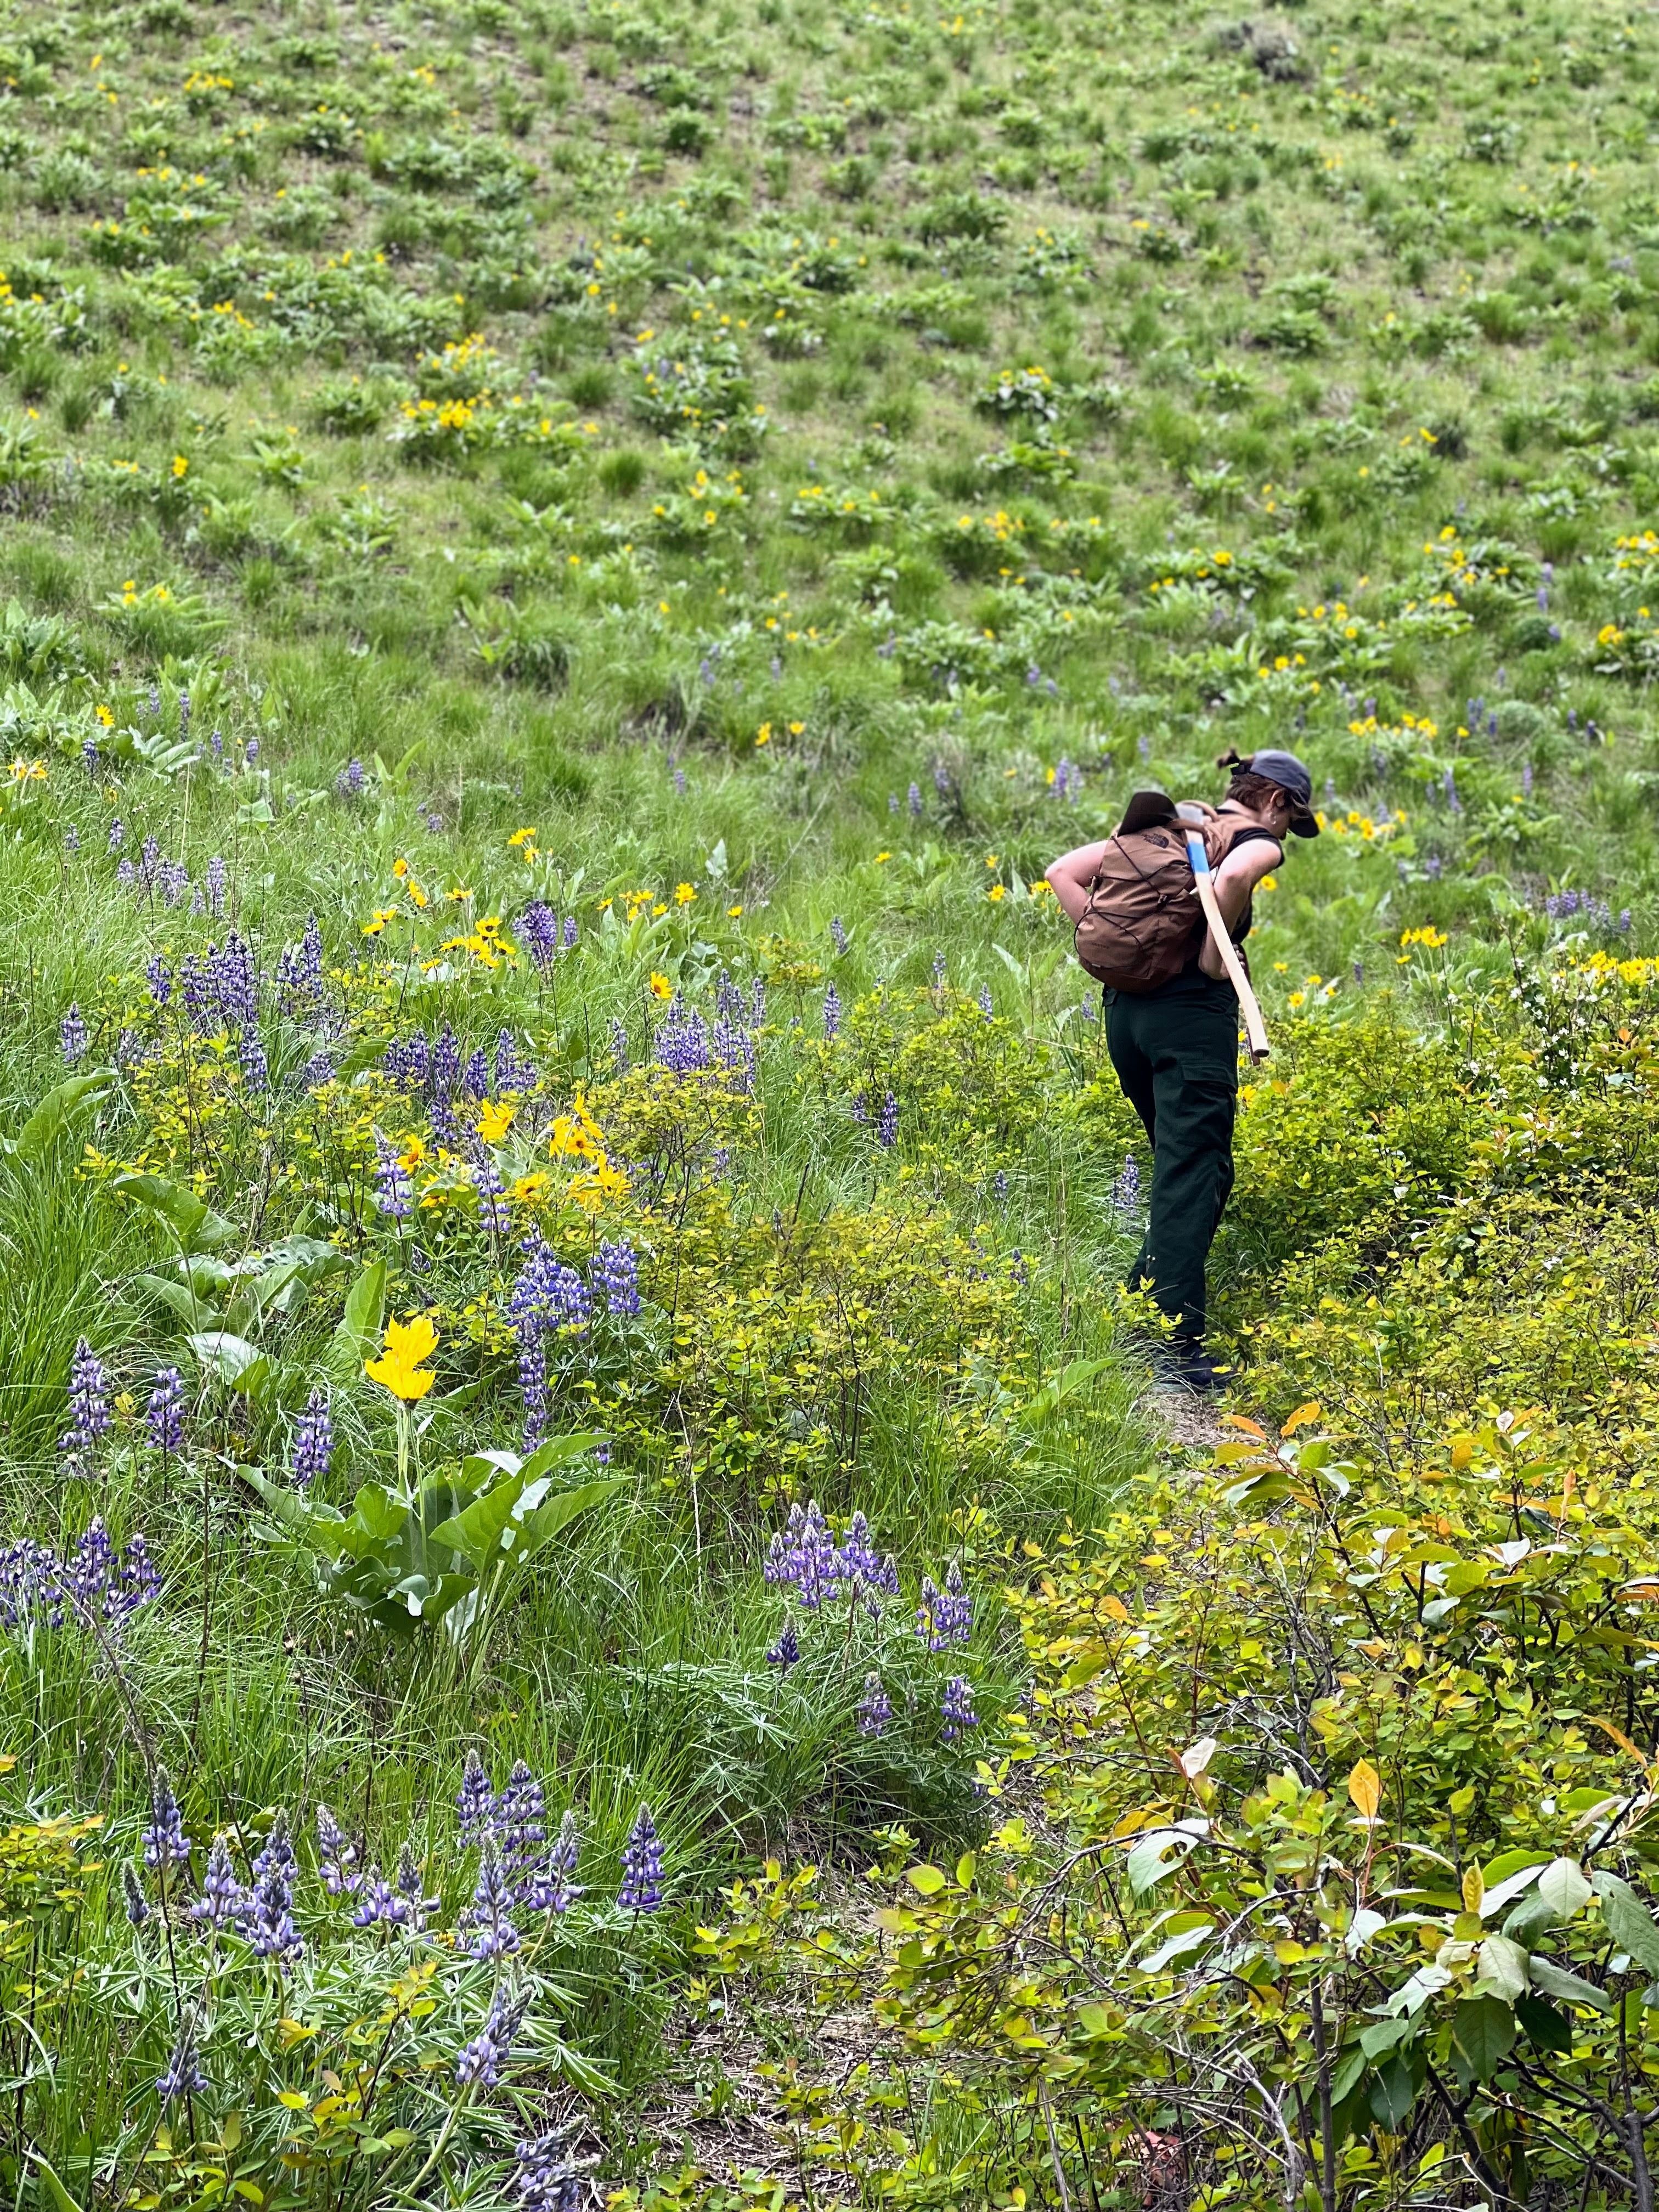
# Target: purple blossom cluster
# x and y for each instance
(313, 1441)
(300, 976)
(944, 1616)
(543, 936)
(550, 1297)
(220, 988)
(519, 1869)
(1562, 906)
(544, 2178)
(804, 1557)
(93, 1581)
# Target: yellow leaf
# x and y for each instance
(293, 2099)
(1475, 1889)
(1302, 1416)
(1365, 1788)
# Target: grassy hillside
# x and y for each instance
(565, 572)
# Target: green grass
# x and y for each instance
(1366, 313)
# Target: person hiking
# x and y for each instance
(1172, 1014)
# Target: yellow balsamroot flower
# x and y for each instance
(590, 1188)
(685, 893)
(660, 987)
(495, 1120)
(400, 1368)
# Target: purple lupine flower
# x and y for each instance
(617, 1272)
(804, 1556)
(125, 875)
(538, 927)
(72, 838)
(72, 1037)
(944, 1616)
(956, 1714)
(914, 797)
(938, 971)
(160, 978)
(133, 1894)
(1126, 1191)
(118, 832)
(140, 1584)
(165, 1414)
(1525, 780)
(544, 2179)
(172, 880)
(446, 1070)
(475, 1076)
(831, 1011)
(336, 1857)
(268, 1917)
(489, 1914)
(256, 1068)
(837, 935)
(641, 1862)
(1449, 786)
(89, 1413)
(300, 972)
(518, 1821)
(875, 1708)
(532, 1385)
(223, 1901)
(317, 1071)
(165, 1841)
(887, 1122)
(349, 784)
(512, 1073)
(382, 1905)
(393, 1192)
(493, 1214)
(480, 2063)
(91, 1567)
(567, 934)
(313, 1441)
(1144, 747)
(549, 1888)
(785, 1652)
(251, 751)
(183, 2077)
(474, 1799)
(418, 1908)
(149, 862)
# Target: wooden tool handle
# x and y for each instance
(1255, 1029)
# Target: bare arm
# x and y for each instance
(1071, 876)
(1235, 879)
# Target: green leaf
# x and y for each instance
(60, 1110)
(380, 1514)
(1630, 1924)
(1382, 2035)
(191, 1219)
(232, 1359)
(1546, 2029)
(1503, 1968)
(57, 2195)
(557, 1451)
(1555, 1982)
(1157, 1854)
(1563, 1888)
(546, 1522)
(190, 1309)
(478, 1529)
(357, 1338)
(1393, 2092)
(1351, 2066)
(1483, 2034)
(926, 1881)
(1176, 1947)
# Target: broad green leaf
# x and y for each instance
(1507, 1876)
(1503, 1968)
(1555, 1982)
(926, 1881)
(232, 1359)
(358, 1335)
(479, 1469)
(1351, 2066)
(380, 1514)
(1563, 1888)
(191, 1219)
(57, 2195)
(560, 1510)
(1382, 2035)
(1176, 1947)
(478, 1529)
(1157, 1854)
(1630, 1922)
(192, 1310)
(1547, 2028)
(1483, 2033)
(558, 1451)
(1393, 2092)
(60, 1110)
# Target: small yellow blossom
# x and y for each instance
(660, 987)
(401, 1366)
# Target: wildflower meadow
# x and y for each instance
(597, 1604)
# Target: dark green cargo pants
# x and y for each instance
(1177, 1056)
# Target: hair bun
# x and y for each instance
(1232, 758)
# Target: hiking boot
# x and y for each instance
(1186, 1361)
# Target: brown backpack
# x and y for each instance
(1143, 923)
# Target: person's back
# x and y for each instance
(1172, 1015)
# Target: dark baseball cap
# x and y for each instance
(1293, 778)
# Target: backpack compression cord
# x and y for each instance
(1255, 1029)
